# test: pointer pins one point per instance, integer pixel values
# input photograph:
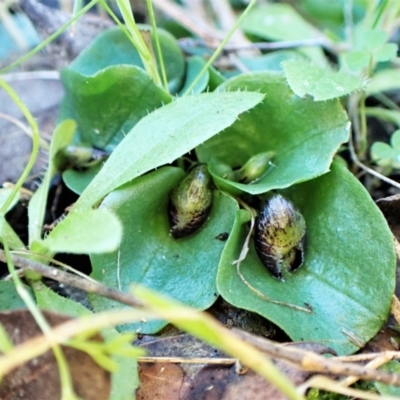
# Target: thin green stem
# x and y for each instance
(148, 60)
(379, 13)
(67, 392)
(363, 141)
(362, 146)
(386, 101)
(49, 39)
(77, 7)
(35, 144)
(128, 35)
(117, 21)
(221, 46)
(158, 46)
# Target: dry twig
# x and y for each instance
(309, 361)
(305, 360)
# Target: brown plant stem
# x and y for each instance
(305, 360)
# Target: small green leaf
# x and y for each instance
(320, 83)
(215, 80)
(164, 135)
(385, 155)
(347, 281)
(78, 181)
(8, 234)
(271, 61)
(389, 390)
(386, 53)
(61, 138)
(84, 232)
(382, 154)
(10, 299)
(357, 60)
(184, 269)
(194, 65)
(373, 39)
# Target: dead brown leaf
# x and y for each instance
(39, 378)
(164, 380)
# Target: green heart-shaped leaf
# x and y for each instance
(303, 134)
(108, 104)
(183, 269)
(113, 47)
(345, 286)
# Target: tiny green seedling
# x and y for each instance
(385, 155)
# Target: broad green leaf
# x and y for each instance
(303, 134)
(61, 138)
(348, 277)
(183, 269)
(109, 103)
(166, 134)
(194, 65)
(10, 299)
(125, 381)
(112, 47)
(321, 83)
(389, 390)
(282, 22)
(387, 79)
(84, 232)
